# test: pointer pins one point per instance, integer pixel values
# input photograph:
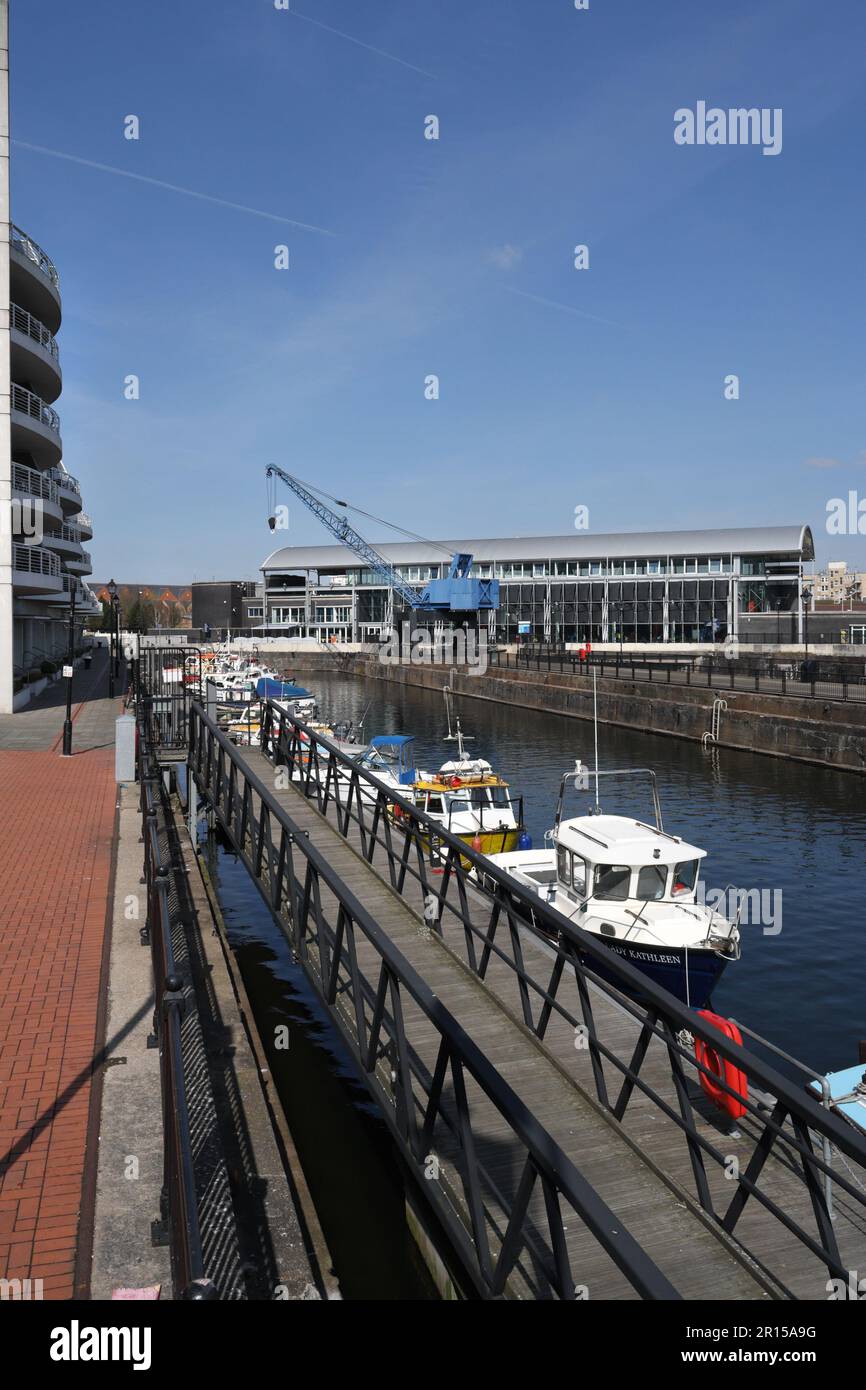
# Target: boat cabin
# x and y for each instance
(391, 755)
(614, 859)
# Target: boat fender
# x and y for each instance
(525, 840)
(476, 843)
(720, 1067)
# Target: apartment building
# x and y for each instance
(43, 525)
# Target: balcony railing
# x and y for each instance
(33, 483)
(70, 533)
(32, 559)
(33, 251)
(35, 407)
(85, 522)
(64, 480)
(26, 323)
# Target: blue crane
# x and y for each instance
(457, 593)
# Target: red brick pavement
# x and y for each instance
(57, 819)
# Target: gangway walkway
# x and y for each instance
(696, 1262)
(513, 1100)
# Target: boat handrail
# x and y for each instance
(581, 772)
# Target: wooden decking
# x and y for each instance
(640, 1167)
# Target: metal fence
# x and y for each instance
(790, 680)
(178, 1226)
(480, 918)
(166, 681)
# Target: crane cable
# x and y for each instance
(349, 507)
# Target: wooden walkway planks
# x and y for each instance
(553, 1080)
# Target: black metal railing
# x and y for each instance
(379, 1014)
(178, 1225)
(166, 680)
(479, 912)
(799, 679)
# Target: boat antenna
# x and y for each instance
(595, 729)
(447, 692)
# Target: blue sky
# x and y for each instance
(411, 257)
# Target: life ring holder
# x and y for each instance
(728, 1072)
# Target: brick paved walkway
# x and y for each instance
(57, 818)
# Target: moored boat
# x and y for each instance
(632, 886)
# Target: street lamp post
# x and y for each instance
(116, 636)
(112, 672)
(70, 660)
(807, 599)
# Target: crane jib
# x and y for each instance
(459, 592)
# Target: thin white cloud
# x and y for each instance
(172, 187)
(369, 47)
(555, 304)
(505, 257)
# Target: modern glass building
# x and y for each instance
(663, 586)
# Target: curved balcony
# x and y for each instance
(80, 563)
(35, 427)
(65, 542)
(42, 494)
(35, 355)
(33, 279)
(35, 570)
(68, 490)
(85, 526)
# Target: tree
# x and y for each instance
(140, 617)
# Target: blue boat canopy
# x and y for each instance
(391, 740)
(268, 689)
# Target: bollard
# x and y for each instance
(124, 748)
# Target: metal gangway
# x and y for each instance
(552, 1126)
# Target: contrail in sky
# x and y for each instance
(567, 308)
(369, 47)
(172, 187)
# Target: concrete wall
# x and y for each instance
(832, 734)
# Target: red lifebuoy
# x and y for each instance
(719, 1066)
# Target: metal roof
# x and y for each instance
(735, 540)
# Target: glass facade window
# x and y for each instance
(331, 613)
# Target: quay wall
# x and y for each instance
(828, 733)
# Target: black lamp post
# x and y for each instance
(70, 659)
(807, 599)
(778, 622)
(112, 599)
